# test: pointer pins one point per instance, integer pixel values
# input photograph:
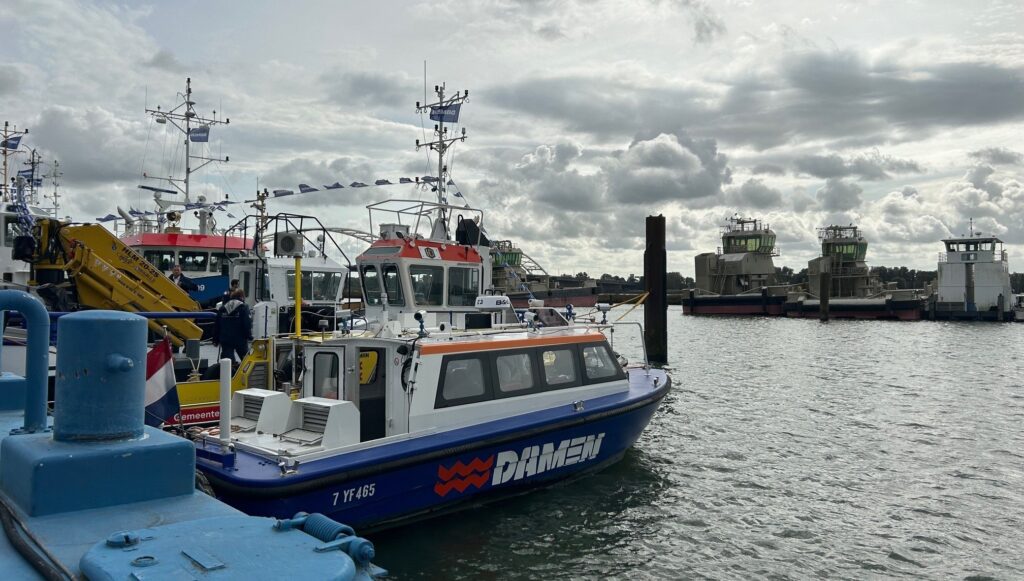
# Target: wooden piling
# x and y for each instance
(824, 289)
(656, 307)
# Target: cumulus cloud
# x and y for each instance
(347, 88)
(871, 166)
(753, 193)
(839, 196)
(768, 169)
(998, 156)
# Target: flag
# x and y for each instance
(199, 134)
(25, 173)
(459, 195)
(161, 393)
(38, 182)
(357, 185)
(134, 212)
(404, 181)
(11, 142)
(155, 189)
(448, 114)
(232, 216)
(107, 218)
(279, 193)
(382, 183)
(429, 179)
(306, 188)
(334, 186)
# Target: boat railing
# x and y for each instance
(643, 344)
(419, 213)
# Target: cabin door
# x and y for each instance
(324, 374)
(372, 389)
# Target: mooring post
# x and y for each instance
(824, 288)
(656, 307)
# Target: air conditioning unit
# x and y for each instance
(289, 244)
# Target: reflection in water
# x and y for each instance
(788, 449)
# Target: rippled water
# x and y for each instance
(789, 449)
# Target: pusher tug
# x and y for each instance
(98, 495)
(444, 398)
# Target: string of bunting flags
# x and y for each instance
(280, 193)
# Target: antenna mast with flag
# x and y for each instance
(10, 139)
(443, 111)
(196, 128)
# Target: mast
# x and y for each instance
(55, 175)
(10, 136)
(194, 127)
(444, 110)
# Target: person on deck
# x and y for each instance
(185, 283)
(233, 328)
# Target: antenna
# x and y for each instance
(55, 175)
(442, 111)
(195, 128)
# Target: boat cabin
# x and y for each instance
(203, 257)
(358, 391)
(14, 271)
(742, 264)
(974, 275)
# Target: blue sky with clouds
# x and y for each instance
(584, 116)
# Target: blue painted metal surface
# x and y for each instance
(83, 500)
(37, 356)
(100, 389)
(409, 479)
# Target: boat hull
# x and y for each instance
(751, 304)
(397, 489)
(873, 309)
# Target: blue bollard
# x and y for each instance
(101, 376)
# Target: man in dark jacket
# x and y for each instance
(233, 328)
(182, 281)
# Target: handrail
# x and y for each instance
(37, 360)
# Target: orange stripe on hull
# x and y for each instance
(463, 347)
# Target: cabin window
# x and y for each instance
(463, 380)
(325, 375)
(161, 259)
(371, 285)
(393, 284)
(598, 363)
(193, 261)
(559, 367)
(218, 260)
(514, 372)
(10, 231)
(325, 285)
(463, 286)
(427, 284)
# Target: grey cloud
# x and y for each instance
(11, 79)
(166, 61)
(93, 145)
(753, 193)
(839, 196)
(707, 25)
(669, 167)
(997, 156)
(871, 166)
(368, 88)
(769, 169)
(834, 95)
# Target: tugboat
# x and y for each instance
(974, 281)
(738, 279)
(523, 279)
(96, 494)
(853, 292)
(444, 398)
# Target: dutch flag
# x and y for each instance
(161, 394)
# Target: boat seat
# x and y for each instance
(329, 423)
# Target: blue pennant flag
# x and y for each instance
(190, 207)
(382, 183)
(429, 179)
(279, 193)
(232, 216)
(37, 183)
(458, 195)
(357, 185)
(134, 212)
(25, 173)
(404, 181)
(199, 134)
(451, 182)
(334, 186)
(447, 114)
(11, 142)
(306, 188)
(107, 218)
